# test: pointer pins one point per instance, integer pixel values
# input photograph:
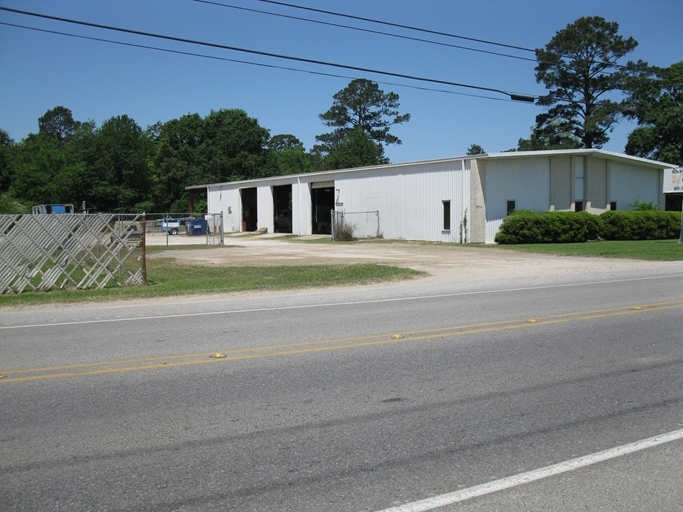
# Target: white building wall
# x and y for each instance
(226, 200)
(265, 212)
(367, 192)
(629, 182)
(409, 199)
(301, 208)
(523, 180)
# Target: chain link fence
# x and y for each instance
(174, 227)
(71, 251)
(354, 225)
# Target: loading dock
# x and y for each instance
(282, 207)
(322, 204)
(249, 209)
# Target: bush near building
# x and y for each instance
(527, 227)
(640, 225)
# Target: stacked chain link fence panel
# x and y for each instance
(89, 251)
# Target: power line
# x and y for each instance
(398, 36)
(517, 97)
(425, 30)
(238, 61)
(398, 25)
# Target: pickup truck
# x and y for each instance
(172, 225)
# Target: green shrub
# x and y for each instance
(521, 227)
(344, 231)
(526, 227)
(640, 225)
(642, 206)
(593, 226)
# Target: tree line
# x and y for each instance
(121, 167)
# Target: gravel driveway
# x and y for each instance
(443, 262)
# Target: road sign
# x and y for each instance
(673, 180)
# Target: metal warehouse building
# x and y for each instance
(462, 199)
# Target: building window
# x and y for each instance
(446, 215)
(511, 207)
(578, 206)
(613, 205)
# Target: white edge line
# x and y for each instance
(537, 474)
(332, 304)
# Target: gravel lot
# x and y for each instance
(443, 262)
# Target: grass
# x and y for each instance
(167, 278)
(653, 250)
(325, 239)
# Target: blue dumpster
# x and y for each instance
(195, 227)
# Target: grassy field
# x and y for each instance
(654, 250)
(167, 278)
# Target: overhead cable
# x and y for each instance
(238, 61)
(425, 30)
(398, 25)
(514, 96)
(349, 27)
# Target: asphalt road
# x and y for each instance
(358, 399)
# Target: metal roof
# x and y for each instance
(326, 174)
(608, 155)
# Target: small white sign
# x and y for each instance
(673, 180)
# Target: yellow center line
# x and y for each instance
(289, 349)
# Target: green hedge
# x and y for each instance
(527, 227)
(640, 225)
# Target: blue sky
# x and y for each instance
(98, 80)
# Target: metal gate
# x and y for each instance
(353, 225)
(53, 251)
(215, 229)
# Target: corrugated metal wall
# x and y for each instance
(523, 180)
(301, 208)
(266, 208)
(410, 199)
(226, 200)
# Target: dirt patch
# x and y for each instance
(443, 262)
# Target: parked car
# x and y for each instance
(283, 221)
